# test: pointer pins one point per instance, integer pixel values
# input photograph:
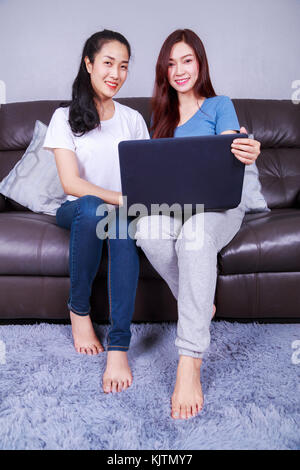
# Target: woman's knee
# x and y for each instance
(195, 235)
(92, 206)
(155, 227)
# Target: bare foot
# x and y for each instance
(117, 375)
(187, 398)
(85, 339)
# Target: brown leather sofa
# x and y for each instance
(259, 270)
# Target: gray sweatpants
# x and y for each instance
(185, 255)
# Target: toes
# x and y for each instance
(199, 406)
(114, 386)
(175, 411)
(91, 350)
(189, 412)
(126, 384)
(107, 386)
(120, 386)
(194, 410)
(99, 347)
(183, 412)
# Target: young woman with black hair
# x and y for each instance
(84, 137)
(185, 104)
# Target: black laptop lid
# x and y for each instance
(185, 170)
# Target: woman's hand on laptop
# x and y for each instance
(245, 150)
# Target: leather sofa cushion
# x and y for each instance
(279, 174)
(275, 123)
(266, 242)
(33, 245)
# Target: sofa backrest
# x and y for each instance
(275, 123)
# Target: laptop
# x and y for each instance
(182, 171)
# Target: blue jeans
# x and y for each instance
(80, 217)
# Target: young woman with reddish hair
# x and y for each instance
(185, 104)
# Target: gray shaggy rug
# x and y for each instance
(51, 396)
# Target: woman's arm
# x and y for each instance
(245, 150)
(71, 182)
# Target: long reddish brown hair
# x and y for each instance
(165, 108)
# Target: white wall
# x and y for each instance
(253, 47)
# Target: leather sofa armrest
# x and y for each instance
(2, 203)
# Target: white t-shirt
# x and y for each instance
(97, 150)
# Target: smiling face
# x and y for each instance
(183, 68)
(109, 70)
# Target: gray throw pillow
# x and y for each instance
(252, 197)
(34, 180)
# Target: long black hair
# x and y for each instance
(83, 115)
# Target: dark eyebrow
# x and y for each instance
(112, 58)
(183, 56)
